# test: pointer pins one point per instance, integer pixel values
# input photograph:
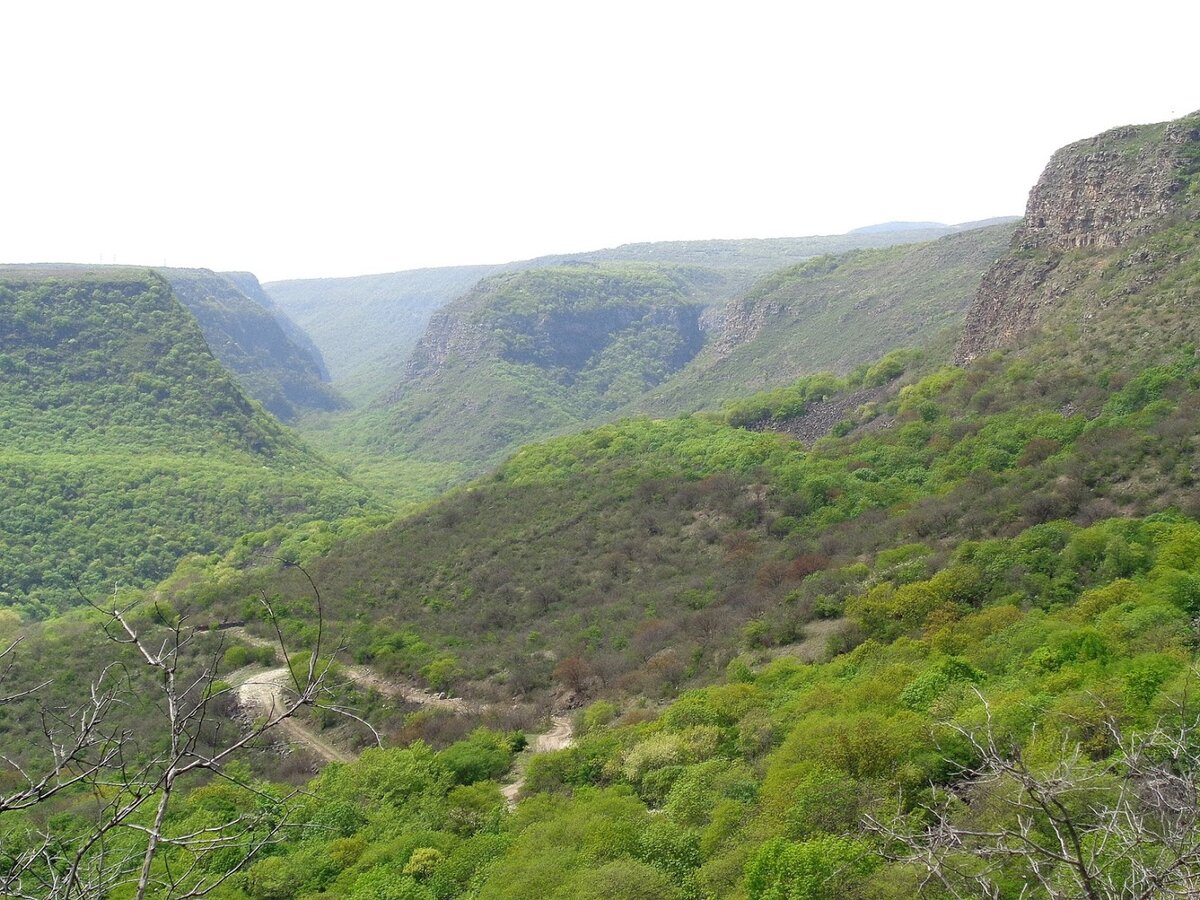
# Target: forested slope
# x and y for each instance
(271, 357)
(944, 646)
(125, 443)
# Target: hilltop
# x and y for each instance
(527, 353)
(1130, 185)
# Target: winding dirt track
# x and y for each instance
(268, 692)
(560, 736)
(264, 692)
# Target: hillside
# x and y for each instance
(833, 313)
(366, 326)
(976, 591)
(273, 360)
(525, 354)
(125, 443)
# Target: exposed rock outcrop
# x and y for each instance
(740, 322)
(1095, 195)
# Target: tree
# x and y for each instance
(1125, 827)
(89, 751)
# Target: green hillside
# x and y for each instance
(916, 629)
(125, 444)
(833, 313)
(271, 357)
(367, 325)
(522, 355)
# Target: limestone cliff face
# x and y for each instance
(741, 322)
(1095, 195)
(447, 334)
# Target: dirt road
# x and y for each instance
(262, 692)
(560, 736)
(266, 693)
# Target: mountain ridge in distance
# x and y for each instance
(368, 323)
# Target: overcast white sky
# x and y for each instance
(310, 139)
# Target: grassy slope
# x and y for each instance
(125, 443)
(756, 788)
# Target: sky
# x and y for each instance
(318, 139)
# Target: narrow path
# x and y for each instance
(261, 692)
(560, 736)
(267, 692)
(363, 676)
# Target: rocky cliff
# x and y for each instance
(1095, 195)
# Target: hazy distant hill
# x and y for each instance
(526, 353)
(248, 284)
(367, 325)
(833, 313)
